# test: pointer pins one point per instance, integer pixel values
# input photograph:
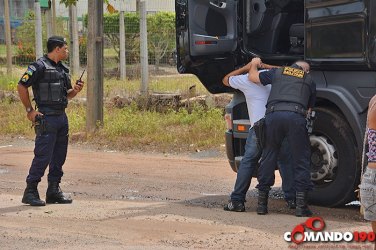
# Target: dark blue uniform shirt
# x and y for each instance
(35, 72)
(266, 77)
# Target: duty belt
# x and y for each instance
(286, 107)
(52, 112)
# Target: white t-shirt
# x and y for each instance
(256, 95)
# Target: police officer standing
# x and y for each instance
(51, 85)
(293, 94)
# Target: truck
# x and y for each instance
(336, 37)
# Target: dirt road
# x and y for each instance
(147, 201)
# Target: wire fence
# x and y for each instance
(161, 36)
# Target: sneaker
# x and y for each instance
(235, 206)
(291, 204)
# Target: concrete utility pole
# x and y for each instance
(8, 37)
(48, 20)
(144, 49)
(94, 111)
(38, 30)
(122, 64)
(53, 18)
(138, 6)
(74, 57)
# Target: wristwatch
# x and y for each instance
(29, 109)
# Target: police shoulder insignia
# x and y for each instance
(25, 78)
(293, 72)
(30, 70)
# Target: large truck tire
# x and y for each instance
(335, 167)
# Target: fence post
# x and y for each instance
(48, 19)
(8, 37)
(53, 17)
(144, 49)
(122, 42)
(94, 110)
(73, 34)
(138, 6)
(38, 30)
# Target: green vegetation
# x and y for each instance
(3, 50)
(174, 84)
(161, 35)
(130, 127)
(26, 37)
(9, 83)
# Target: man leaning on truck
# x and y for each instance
(256, 96)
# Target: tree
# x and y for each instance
(161, 34)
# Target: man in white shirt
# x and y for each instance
(256, 96)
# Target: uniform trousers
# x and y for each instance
(292, 126)
(249, 164)
(50, 149)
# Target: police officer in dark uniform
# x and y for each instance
(292, 95)
(51, 85)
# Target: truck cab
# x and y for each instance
(337, 38)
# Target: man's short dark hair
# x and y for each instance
(302, 65)
(55, 41)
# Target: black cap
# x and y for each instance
(57, 39)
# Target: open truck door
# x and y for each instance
(206, 39)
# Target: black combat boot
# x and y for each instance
(262, 203)
(302, 209)
(55, 195)
(31, 195)
(291, 204)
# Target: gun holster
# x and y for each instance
(311, 117)
(260, 131)
(40, 125)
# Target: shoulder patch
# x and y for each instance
(293, 72)
(32, 67)
(25, 77)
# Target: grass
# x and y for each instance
(130, 127)
(168, 83)
(165, 84)
(3, 50)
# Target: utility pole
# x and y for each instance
(94, 111)
(38, 30)
(8, 37)
(122, 64)
(144, 49)
(138, 6)
(74, 57)
(53, 17)
(48, 19)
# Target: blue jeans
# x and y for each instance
(50, 149)
(249, 164)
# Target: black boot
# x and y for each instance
(55, 195)
(262, 203)
(302, 210)
(31, 195)
(291, 204)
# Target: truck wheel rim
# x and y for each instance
(324, 159)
